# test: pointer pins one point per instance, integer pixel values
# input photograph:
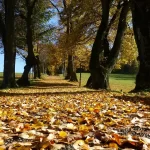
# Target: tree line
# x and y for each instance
(91, 32)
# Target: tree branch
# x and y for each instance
(46, 31)
(21, 55)
(118, 39)
(65, 4)
(56, 9)
(105, 42)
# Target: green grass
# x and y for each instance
(18, 75)
(118, 82)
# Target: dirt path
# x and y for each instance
(48, 85)
(56, 85)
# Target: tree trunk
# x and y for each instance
(141, 26)
(98, 78)
(38, 71)
(31, 59)
(9, 46)
(98, 43)
(24, 80)
(35, 72)
(100, 69)
(71, 73)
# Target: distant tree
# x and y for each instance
(128, 52)
(50, 56)
(78, 20)
(141, 26)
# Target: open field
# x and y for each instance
(17, 76)
(118, 82)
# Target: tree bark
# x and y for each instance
(31, 59)
(71, 73)
(141, 26)
(97, 79)
(37, 73)
(8, 39)
(101, 68)
(98, 43)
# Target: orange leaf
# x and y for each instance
(116, 138)
(113, 145)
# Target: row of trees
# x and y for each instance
(22, 24)
(118, 17)
(106, 23)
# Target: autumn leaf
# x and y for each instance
(80, 120)
(63, 134)
(113, 145)
(1, 141)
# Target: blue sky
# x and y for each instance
(20, 63)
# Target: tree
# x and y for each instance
(102, 57)
(34, 18)
(78, 28)
(128, 52)
(141, 26)
(50, 56)
(8, 38)
(71, 72)
(31, 59)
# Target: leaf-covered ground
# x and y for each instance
(57, 115)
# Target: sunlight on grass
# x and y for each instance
(118, 82)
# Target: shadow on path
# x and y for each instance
(57, 86)
(135, 99)
(50, 85)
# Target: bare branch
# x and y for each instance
(65, 4)
(56, 9)
(46, 31)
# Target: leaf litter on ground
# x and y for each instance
(57, 116)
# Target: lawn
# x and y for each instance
(18, 75)
(118, 82)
